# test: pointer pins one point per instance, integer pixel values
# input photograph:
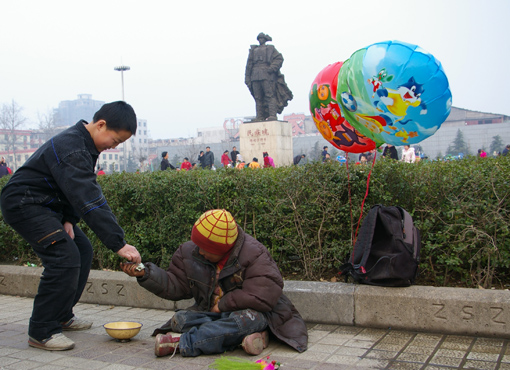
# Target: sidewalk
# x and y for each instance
(330, 346)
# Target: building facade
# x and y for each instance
(71, 111)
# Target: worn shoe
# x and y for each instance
(166, 344)
(76, 324)
(255, 343)
(57, 342)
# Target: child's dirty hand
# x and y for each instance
(132, 269)
(215, 308)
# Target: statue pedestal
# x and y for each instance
(273, 137)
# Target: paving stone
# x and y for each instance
(339, 347)
(382, 355)
(480, 365)
(446, 361)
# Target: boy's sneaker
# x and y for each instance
(57, 342)
(166, 344)
(255, 343)
(76, 324)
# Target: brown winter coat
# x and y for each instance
(250, 279)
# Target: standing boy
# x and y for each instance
(44, 200)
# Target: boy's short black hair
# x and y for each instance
(186, 158)
(164, 154)
(118, 115)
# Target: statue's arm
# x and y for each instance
(276, 61)
(249, 66)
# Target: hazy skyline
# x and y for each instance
(187, 60)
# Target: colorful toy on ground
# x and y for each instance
(237, 363)
(394, 92)
(327, 114)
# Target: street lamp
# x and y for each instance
(122, 69)
(124, 145)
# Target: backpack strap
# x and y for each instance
(356, 265)
(363, 245)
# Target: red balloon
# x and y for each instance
(328, 117)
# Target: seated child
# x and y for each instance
(237, 288)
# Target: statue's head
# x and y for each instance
(262, 38)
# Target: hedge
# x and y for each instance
(307, 215)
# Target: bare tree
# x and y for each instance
(11, 120)
(141, 157)
(48, 125)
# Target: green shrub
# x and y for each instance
(308, 215)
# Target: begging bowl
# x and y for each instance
(123, 331)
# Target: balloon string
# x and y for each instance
(363, 202)
(349, 192)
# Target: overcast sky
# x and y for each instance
(188, 58)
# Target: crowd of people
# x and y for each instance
(232, 159)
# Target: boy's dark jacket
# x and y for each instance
(250, 279)
(59, 179)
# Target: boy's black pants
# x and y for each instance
(67, 264)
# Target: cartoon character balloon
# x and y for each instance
(327, 114)
(394, 92)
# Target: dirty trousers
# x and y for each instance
(211, 333)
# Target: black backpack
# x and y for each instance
(387, 251)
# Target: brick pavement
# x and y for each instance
(330, 346)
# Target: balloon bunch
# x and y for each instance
(389, 92)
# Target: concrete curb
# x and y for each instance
(458, 311)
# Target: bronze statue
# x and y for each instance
(263, 78)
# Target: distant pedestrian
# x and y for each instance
(408, 154)
(482, 153)
(225, 160)
(201, 159)
(100, 171)
(506, 150)
(390, 152)
(324, 152)
(298, 158)
(165, 164)
(268, 161)
(240, 162)
(233, 156)
(186, 165)
(3, 170)
(254, 163)
(209, 158)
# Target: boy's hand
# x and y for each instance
(130, 268)
(68, 227)
(130, 253)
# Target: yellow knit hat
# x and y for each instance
(215, 231)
